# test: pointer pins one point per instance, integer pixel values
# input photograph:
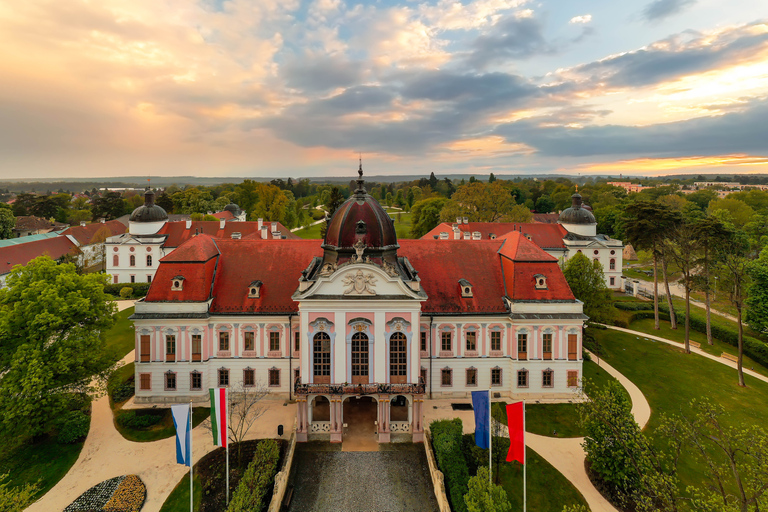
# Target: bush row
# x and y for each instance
(140, 419)
(139, 289)
(74, 427)
(633, 306)
(447, 443)
(257, 479)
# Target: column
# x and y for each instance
(235, 340)
(486, 349)
(302, 426)
(183, 348)
(384, 431)
(459, 342)
(262, 353)
(337, 420)
(417, 424)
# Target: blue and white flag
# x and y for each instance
(482, 418)
(183, 435)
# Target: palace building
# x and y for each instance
(358, 320)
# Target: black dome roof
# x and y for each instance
(149, 212)
(232, 207)
(576, 214)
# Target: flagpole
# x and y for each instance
(226, 440)
(525, 466)
(191, 463)
(490, 440)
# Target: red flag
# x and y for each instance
(516, 419)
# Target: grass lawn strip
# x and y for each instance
(120, 339)
(670, 379)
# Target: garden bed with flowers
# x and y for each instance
(119, 494)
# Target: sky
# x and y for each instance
(277, 88)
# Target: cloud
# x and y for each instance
(586, 18)
(737, 132)
(514, 37)
(660, 9)
(321, 73)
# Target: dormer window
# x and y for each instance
(254, 290)
(466, 288)
(177, 283)
(492, 236)
(527, 236)
(540, 282)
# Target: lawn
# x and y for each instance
(559, 420)
(178, 500)
(402, 226)
(670, 379)
(310, 233)
(120, 339)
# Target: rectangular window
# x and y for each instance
(149, 261)
(613, 281)
(495, 376)
(613, 264)
(133, 278)
(149, 279)
(223, 341)
(197, 347)
(249, 377)
(145, 381)
(274, 341)
(114, 279)
(195, 381)
(573, 342)
(573, 378)
(447, 345)
(223, 378)
(423, 341)
(170, 347)
(446, 377)
(144, 348)
(546, 343)
(496, 341)
(249, 341)
(546, 378)
(471, 377)
(424, 376)
(522, 346)
(522, 378)
(297, 342)
(170, 382)
(471, 341)
(274, 377)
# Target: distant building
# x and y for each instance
(629, 187)
(20, 251)
(30, 225)
(90, 238)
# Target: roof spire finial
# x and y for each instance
(360, 188)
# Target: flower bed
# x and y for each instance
(119, 494)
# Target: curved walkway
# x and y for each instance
(106, 454)
(694, 350)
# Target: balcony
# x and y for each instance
(359, 389)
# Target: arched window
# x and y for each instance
(398, 359)
(613, 264)
(321, 358)
(149, 261)
(133, 260)
(115, 260)
(359, 358)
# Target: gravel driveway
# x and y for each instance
(396, 478)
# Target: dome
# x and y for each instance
(361, 217)
(233, 208)
(149, 212)
(576, 214)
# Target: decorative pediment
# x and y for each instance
(359, 283)
(358, 280)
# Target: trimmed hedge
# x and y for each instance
(447, 443)
(633, 306)
(74, 427)
(257, 479)
(140, 419)
(139, 289)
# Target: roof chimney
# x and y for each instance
(221, 223)
(466, 220)
(82, 223)
(102, 220)
(443, 235)
(236, 235)
(466, 235)
(264, 234)
(260, 222)
(274, 227)
(476, 235)
(457, 234)
(458, 220)
(276, 235)
(187, 223)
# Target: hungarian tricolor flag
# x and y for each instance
(219, 416)
(516, 419)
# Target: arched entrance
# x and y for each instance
(360, 414)
(321, 409)
(398, 408)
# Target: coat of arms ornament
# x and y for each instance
(359, 283)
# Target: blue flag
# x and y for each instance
(482, 418)
(180, 415)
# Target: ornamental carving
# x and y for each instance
(328, 269)
(359, 283)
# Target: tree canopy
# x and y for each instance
(587, 283)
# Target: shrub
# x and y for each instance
(123, 391)
(140, 419)
(139, 289)
(447, 443)
(126, 292)
(620, 323)
(74, 427)
(257, 479)
(634, 306)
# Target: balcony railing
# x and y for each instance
(359, 389)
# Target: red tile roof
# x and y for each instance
(546, 218)
(178, 233)
(32, 223)
(518, 248)
(85, 234)
(546, 236)
(225, 215)
(21, 254)
(522, 262)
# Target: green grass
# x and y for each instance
(548, 489)
(559, 420)
(670, 379)
(402, 226)
(120, 339)
(45, 461)
(310, 233)
(162, 430)
(178, 500)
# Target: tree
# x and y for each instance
(23, 204)
(51, 345)
(483, 496)
(15, 499)
(710, 233)
(245, 407)
(682, 247)
(741, 213)
(757, 296)
(645, 224)
(544, 204)
(425, 215)
(110, 206)
(335, 199)
(479, 202)
(7, 223)
(587, 283)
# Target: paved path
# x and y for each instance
(107, 454)
(394, 478)
(694, 350)
(678, 291)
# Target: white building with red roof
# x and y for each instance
(358, 321)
